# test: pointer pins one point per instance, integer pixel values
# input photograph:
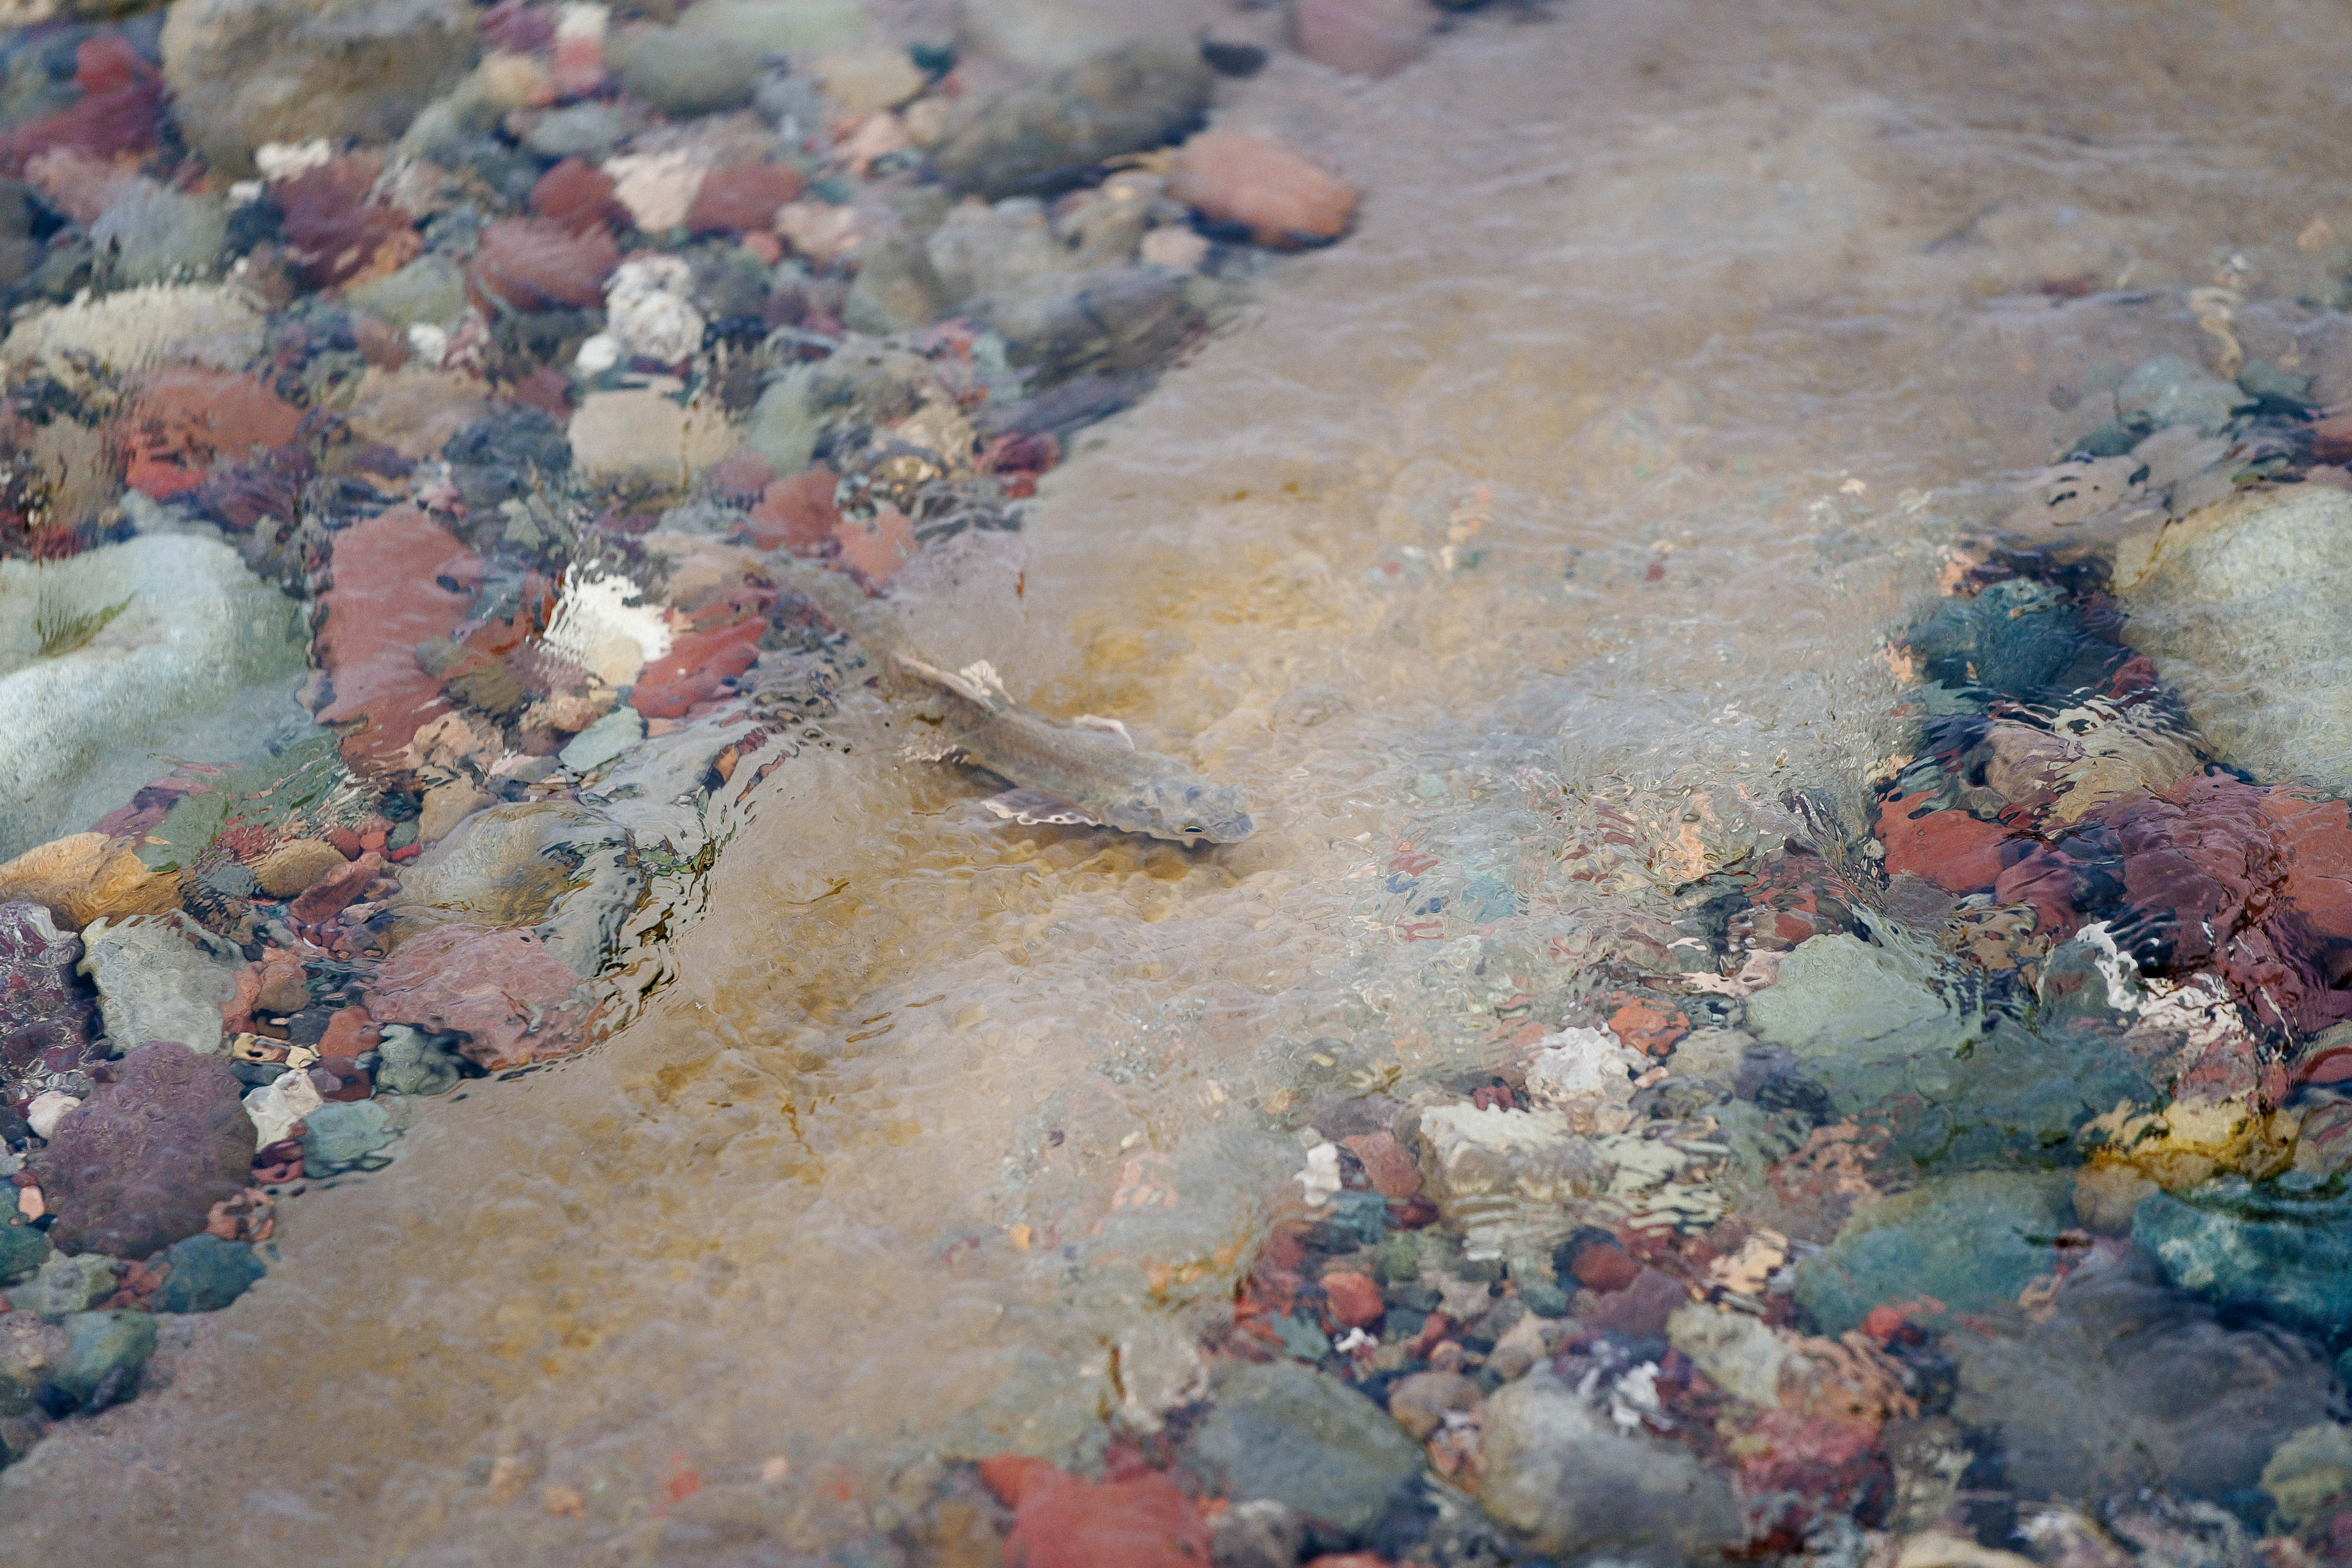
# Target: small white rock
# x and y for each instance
(1175, 246)
(48, 1110)
(1322, 1177)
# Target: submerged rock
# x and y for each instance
(1839, 996)
(2241, 606)
(207, 1274)
(1555, 1469)
(45, 1018)
(2283, 1253)
(104, 1351)
(161, 977)
(339, 1136)
(1970, 1242)
(140, 1164)
(500, 989)
(163, 645)
(244, 72)
(1046, 137)
(399, 581)
(1267, 184)
(1283, 1431)
(2125, 1384)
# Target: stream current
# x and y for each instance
(1597, 465)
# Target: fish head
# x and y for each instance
(1186, 810)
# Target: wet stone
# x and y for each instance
(1970, 1242)
(1284, 1431)
(2284, 1253)
(2126, 1383)
(161, 977)
(1045, 137)
(207, 1274)
(140, 1164)
(64, 1285)
(340, 1136)
(1556, 1470)
(31, 1350)
(45, 1016)
(103, 1355)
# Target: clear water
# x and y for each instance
(1578, 489)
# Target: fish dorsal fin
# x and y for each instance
(1101, 726)
(962, 682)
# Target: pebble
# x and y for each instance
(2286, 1252)
(500, 989)
(46, 1019)
(1967, 1242)
(2125, 1384)
(386, 599)
(30, 1351)
(1419, 1402)
(408, 1062)
(1263, 183)
(681, 71)
(296, 867)
(1060, 1521)
(2208, 602)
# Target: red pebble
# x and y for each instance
(350, 1032)
(351, 1082)
(121, 105)
(536, 264)
(578, 196)
(1603, 1266)
(1063, 1522)
(1355, 1301)
(695, 667)
(328, 897)
(797, 513)
(743, 199)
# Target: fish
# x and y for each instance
(1084, 771)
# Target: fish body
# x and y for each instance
(1087, 769)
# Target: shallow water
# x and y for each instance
(1603, 459)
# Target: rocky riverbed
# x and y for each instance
(1768, 577)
